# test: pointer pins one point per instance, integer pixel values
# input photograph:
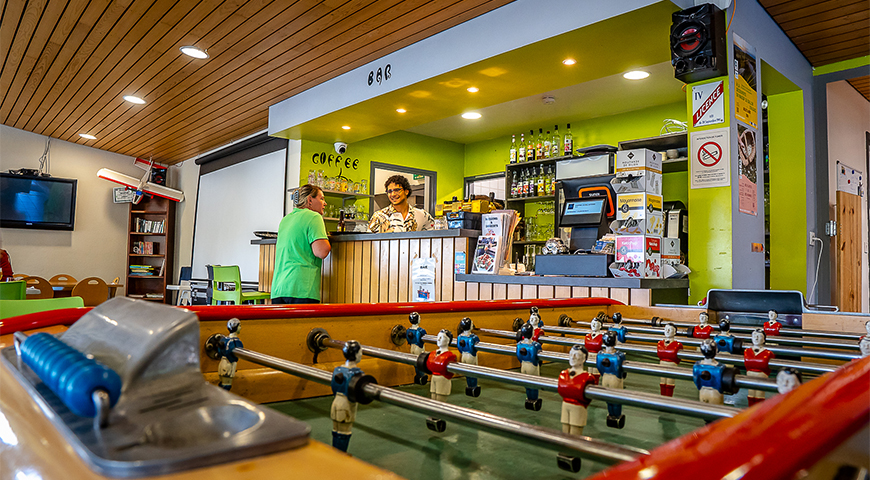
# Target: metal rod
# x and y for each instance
(742, 381)
(796, 332)
(623, 397)
(808, 367)
(587, 447)
(773, 340)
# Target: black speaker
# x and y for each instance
(158, 175)
(698, 50)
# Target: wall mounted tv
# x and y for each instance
(45, 203)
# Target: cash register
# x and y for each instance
(585, 221)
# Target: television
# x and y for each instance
(45, 203)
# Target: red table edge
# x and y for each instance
(68, 316)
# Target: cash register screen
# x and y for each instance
(583, 212)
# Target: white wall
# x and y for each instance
(186, 176)
(98, 245)
(848, 120)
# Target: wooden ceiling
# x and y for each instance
(862, 84)
(68, 63)
(825, 31)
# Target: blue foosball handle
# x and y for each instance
(71, 375)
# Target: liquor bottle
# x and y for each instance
(553, 180)
(521, 156)
(513, 149)
(541, 190)
(569, 142)
(342, 226)
(533, 184)
(539, 154)
(530, 147)
(514, 184)
(556, 144)
(548, 145)
(525, 183)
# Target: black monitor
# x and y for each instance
(582, 211)
(46, 203)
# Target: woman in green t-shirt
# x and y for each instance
(301, 247)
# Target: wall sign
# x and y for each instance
(747, 178)
(122, 195)
(381, 74)
(745, 83)
(710, 158)
(332, 160)
(708, 104)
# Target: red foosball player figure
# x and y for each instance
(536, 323)
(572, 385)
(668, 350)
(756, 359)
(771, 326)
(592, 341)
(787, 380)
(440, 384)
(702, 330)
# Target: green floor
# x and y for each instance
(398, 440)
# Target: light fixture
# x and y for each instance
(345, 127)
(569, 61)
(635, 75)
(87, 136)
(471, 115)
(194, 52)
(134, 99)
(473, 89)
(401, 110)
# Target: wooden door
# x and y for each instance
(848, 252)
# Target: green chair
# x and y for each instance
(226, 277)
(13, 290)
(14, 308)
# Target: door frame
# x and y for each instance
(433, 187)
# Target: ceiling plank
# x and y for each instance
(838, 16)
(26, 27)
(8, 26)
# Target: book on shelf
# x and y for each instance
(162, 267)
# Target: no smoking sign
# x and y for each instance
(710, 162)
(709, 154)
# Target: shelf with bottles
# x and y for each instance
(531, 183)
(541, 148)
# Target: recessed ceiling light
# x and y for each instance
(569, 61)
(88, 136)
(473, 89)
(193, 52)
(345, 127)
(133, 99)
(471, 115)
(636, 75)
(401, 110)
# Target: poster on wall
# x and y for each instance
(745, 83)
(710, 158)
(747, 179)
(708, 104)
(849, 180)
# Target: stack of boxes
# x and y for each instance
(639, 221)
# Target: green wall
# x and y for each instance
(788, 193)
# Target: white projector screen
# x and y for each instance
(232, 204)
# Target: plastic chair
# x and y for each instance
(230, 274)
(184, 288)
(41, 284)
(13, 290)
(14, 308)
(93, 291)
(62, 277)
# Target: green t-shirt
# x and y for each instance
(297, 269)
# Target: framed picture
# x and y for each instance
(122, 195)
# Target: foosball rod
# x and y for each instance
(695, 342)
(808, 367)
(742, 381)
(779, 340)
(586, 447)
(593, 392)
(796, 332)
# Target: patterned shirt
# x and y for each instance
(387, 220)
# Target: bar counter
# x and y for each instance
(376, 268)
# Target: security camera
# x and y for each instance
(340, 148)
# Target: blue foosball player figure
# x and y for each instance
(415, 335)
(343, 411)
(609, 362)
(712, 378)
(466, 342)
(527, 353)
(725, 341)
(227, 365)
(619, 329)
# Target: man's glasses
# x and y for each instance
(394, 190)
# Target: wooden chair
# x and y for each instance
(19, 276)
(230, 274)
(41, 284)
(93, 291)
(13, 290)
(62, 277)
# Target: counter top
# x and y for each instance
(606, 282)
(353, 237)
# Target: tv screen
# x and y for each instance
(37, 202)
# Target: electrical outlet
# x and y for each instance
(812, 238)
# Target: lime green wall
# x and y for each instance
(844, 65)
(788, 197)
(710, 256)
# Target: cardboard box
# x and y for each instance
(645, 209)
(480, 206)
(671, 251)
(638, 170)
(643, 251)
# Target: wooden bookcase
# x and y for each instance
(155, 210)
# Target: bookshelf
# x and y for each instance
(150, 248)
